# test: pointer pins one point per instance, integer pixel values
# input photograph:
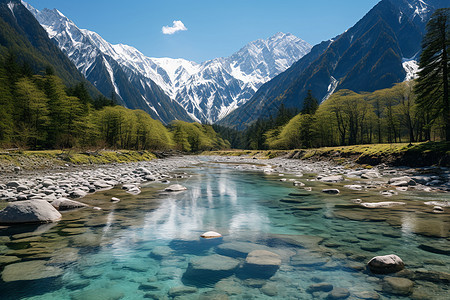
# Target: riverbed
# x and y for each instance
(148, 244)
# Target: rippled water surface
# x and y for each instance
(141, 247)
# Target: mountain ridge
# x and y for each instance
(373, 54)
(207, 91)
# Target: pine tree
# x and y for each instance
(310, 104)
(432, 87)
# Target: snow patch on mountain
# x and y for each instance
(331, 88)
(11, 7)
(411, 68)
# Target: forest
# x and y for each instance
(37, 111)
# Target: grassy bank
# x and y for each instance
(419, 154)
(29, 160)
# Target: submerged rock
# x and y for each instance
(261, 264)
(30, 270)
(180, 291)
(207, 270)
(239, 249)
(338, 293)
(386, 264)
(397, 285)
(29, 211)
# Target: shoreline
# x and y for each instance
(77, 181)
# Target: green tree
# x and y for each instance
(432, 87)
(310, 104)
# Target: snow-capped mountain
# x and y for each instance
(207, 91)
(92, 57)
(380, 50)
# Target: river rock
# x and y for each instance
(77, 194)
(367, 295)
(261, 264)
(206, 270)
(338, 293)
(386, 264)
(270, 289)
(397, 285)
(66, 204)
(401, 181)
(354, 187)
(180, 291)
(110, 293)
(29, 211)
(211, 235)
(30, 270)
(115, 199)
(335, 178)
(239, 249)
(319, 287)
(331, 191)
(175, 188)
(436, 248)
(13, 184)
(385, 204)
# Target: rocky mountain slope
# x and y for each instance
(378, 51)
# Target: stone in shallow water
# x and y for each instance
(261, 264)
(211, 235)
(302, 241)
(320, 287)
(397, 285)
(207, 270)
(436, 248)
(385, 204)
(29, 211)
(338, 293)
(180, 291)
(270, 289)
(4, 259)
(67, 204)
(175, 188)
(239, 249)
(331, 191)
(98, 294)
(30, 270)
(386, 264)
(160, 252)
(229, 286)
(367, 295)
(213, 295)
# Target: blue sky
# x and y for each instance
(214, 28)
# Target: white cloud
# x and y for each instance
(177, 26)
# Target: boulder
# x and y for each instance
(207, 270)
(29, 211)
(397, 285)
(386, 264)
(211, 235)
(30, 270)
(175, 188)
(261, 264)
(66, 204)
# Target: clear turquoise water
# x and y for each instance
(108, 254)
